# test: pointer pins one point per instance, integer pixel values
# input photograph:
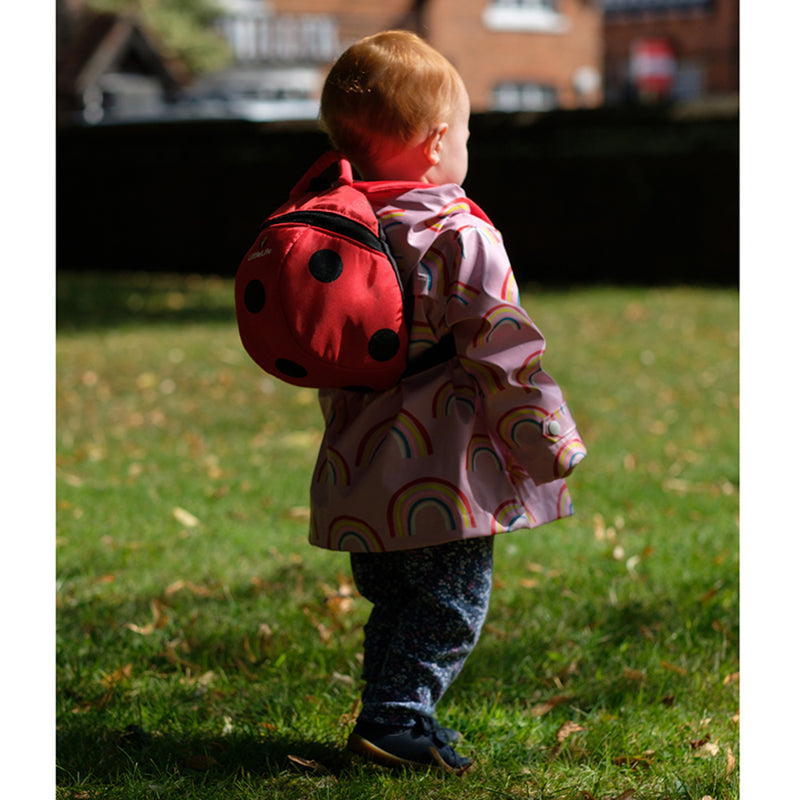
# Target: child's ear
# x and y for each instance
(434, 143)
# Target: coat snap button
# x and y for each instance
(553, 428)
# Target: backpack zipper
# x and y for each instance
(338, 224)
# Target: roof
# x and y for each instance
(105, 42)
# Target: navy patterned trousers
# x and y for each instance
(428, 608)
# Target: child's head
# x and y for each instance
(391, 93)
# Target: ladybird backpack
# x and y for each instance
(319, 298)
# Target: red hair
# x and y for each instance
(384, 91)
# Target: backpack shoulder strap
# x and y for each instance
(331, 169)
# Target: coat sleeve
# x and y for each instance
(502, 350)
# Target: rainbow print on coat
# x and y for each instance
(564, 503)
(420, 337)
(569, 456)
(486, 376)
(510, 290)
(390, 218)
(463, 293)
(514, 424)
(434, 268)
(448, 395)
(509, 515)
(437, 222)
(410, 437)
(482, 450)
(353, 534)
(531, 367)
(490, 233)
(501, 317)
(449, 505)
(334, 469)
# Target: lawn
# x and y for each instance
(205, 650)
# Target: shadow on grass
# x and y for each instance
(89, 301)
(536, 654)
(88, 752)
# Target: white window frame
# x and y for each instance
(512, 96)
(528, 16)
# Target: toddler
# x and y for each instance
(416, 481)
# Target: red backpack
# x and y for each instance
(319, 298)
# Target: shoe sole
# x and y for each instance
(363, 747)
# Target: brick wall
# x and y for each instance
(484, 57)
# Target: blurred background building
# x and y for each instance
(604, 135)
(272, 56)
(670, 50)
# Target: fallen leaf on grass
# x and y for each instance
(730, 763)
(626, 795)
(345, 680)
(540, 709)
(160, 620)
(309, 763)
(644, 760)
(174, 652)
(708, 750)
(673, 668)
(184, 517)
(636, 675)
(97, 703)
(198, 590)
(563, 733)
(338, 606)
(566, 730)
(695, 743)
(118, 675)
(204, 681)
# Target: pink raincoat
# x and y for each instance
(476, 446)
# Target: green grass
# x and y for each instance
(205, 650)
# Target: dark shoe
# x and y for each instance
(450, 735)
(419, 746)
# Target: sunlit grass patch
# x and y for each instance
(205, 650)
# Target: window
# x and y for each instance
(517, 96)
(533, 16)
(281, 38)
